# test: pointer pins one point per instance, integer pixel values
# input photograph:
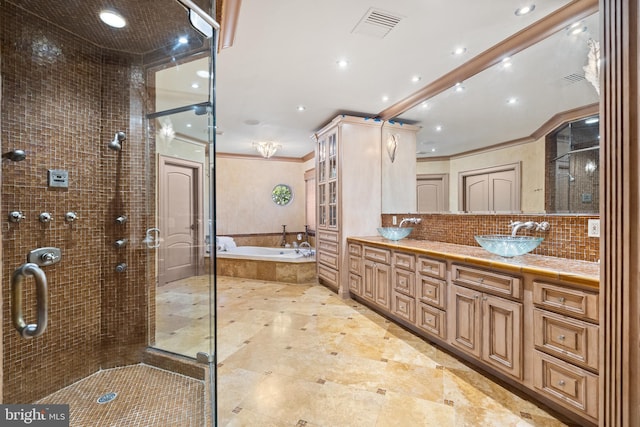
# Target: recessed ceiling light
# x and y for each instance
(512, 101)
(506, 62)
(433, 150)
(525, 9)
(301, 108)
(385, 98)
(416, 79)
(342, 63)
(576, 29)
(438, 128)
(112, 19)
(195, 85)
(202, 73)
(459, 51)
(458, 87)
(188, 125)
(183, 40)
(425, 104)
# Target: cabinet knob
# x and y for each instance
(562, 300)
(480, 280)
(561, 383)
(484, 298)
(476, 296)
(561, 337)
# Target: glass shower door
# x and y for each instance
(82, 191)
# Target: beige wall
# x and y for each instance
(243, 200)
(531, 156)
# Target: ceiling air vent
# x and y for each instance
(377, 23)
(573, 78)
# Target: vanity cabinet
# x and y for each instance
(376, 281)
(537, 334)
(431, 291)
(403, 284)
(566, 346)
(348, 195)
(487, 327)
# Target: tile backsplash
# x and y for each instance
(566, 238)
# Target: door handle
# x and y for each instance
(42, 297)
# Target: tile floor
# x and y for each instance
(298, 355)
(146, 397)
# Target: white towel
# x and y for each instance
(226, 241)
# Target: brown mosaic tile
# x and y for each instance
(566, 238)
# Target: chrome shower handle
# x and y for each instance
(17, 314)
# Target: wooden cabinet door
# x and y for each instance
(502, 334)
(382, 283)
(368, 282)
(465, 322)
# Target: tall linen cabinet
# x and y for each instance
(348, 176)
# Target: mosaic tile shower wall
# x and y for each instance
(62, 101)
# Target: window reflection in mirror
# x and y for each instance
(573, 167)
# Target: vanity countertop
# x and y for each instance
(581, 272)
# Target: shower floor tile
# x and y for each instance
(146, 397)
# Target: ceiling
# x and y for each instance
(285, 55)
(286, 52)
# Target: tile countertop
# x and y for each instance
(579, 272)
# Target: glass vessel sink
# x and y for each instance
(394, 233)
(507, 245)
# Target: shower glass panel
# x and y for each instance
(112, 124)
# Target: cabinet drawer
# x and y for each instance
(327, 246)
(566, 338)
(330, 260)
(406, 261)
(404, 307)
(431, 320)
(355, 249)
(328, 275)
(500, 284)
(573, 302)
(355, 284)
(432, 291)
(355, 265)
(328, 236)
(569, 385)
(404, 282)
(432, 267)
(378, 255)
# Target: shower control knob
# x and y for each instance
(45, 217)
(121, 268)
(121, 219)
(121, 243)
(70, 216)
(16, 216)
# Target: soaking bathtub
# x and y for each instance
(264, 263)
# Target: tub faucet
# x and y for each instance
(307, 246)
(410, 220)
(529, 225)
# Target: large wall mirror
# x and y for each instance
(504, 114)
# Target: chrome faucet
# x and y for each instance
(529, 225)
(410, 220)
(308, 252)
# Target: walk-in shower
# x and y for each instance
(73, 91)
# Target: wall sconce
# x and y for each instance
(267, 149)
(590, 167)
(392, 145)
